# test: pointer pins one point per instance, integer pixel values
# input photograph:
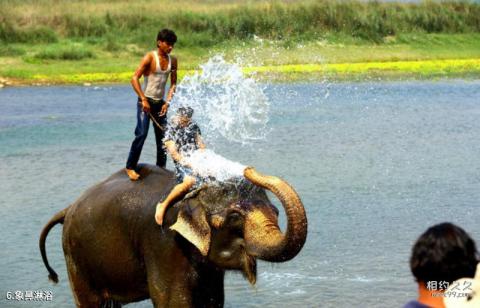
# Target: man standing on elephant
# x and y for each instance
(155, 68)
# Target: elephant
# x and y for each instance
(116, 253)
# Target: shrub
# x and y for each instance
(367, 20)
(68, 53)
(38, 34)
(11, 51)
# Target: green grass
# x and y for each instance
(11, 51)
(108, 38)
(45, 21)
(64, 53)
(118, 66)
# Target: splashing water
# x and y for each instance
(226, 103)
(207, 163)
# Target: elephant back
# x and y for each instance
(120, 200)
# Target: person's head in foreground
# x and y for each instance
(184, 116)
(441, 255)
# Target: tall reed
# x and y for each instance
(299, 20)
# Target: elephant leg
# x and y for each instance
(157, 289)
(159, 299)
(183, 286)
(84, 294)
(167, 285)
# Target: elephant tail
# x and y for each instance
(56, 219)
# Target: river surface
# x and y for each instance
(376, 164)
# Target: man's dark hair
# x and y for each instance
(185, 112)
(445, 252)
(167, 35)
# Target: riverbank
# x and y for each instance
(408, 56)
(422, 69)
(98, 41)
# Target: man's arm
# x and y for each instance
(173, 86)
(141, 70)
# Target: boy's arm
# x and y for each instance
(199, 142)
(173, 80)
(173, 86)
(141, 70)
(172, 150)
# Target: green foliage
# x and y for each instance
(112, 44)
(79, 26)
(11, 51)
(300, 20)
(64, 53)
(10, 33)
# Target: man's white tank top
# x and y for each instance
(155, 83)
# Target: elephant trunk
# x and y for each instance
(263, 237)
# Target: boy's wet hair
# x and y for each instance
(445, 252)
(185, 112)
(167, 35)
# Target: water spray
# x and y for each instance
(227, 104)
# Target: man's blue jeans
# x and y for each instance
(141, 131)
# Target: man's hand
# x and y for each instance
(145, 105)
(164, 109)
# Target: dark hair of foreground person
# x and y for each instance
(445, 252)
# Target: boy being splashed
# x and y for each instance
(182, 138)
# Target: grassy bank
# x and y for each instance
(207, 23)
(47, 41)
(464, 68)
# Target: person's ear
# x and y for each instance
(193, 226)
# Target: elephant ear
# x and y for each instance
(193, 226)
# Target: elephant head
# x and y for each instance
(233, 224)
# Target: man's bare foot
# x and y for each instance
(159, 213)
(132, 174)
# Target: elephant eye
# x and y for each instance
(234, 216)
(234, 220)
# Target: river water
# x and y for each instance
(375, 164)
